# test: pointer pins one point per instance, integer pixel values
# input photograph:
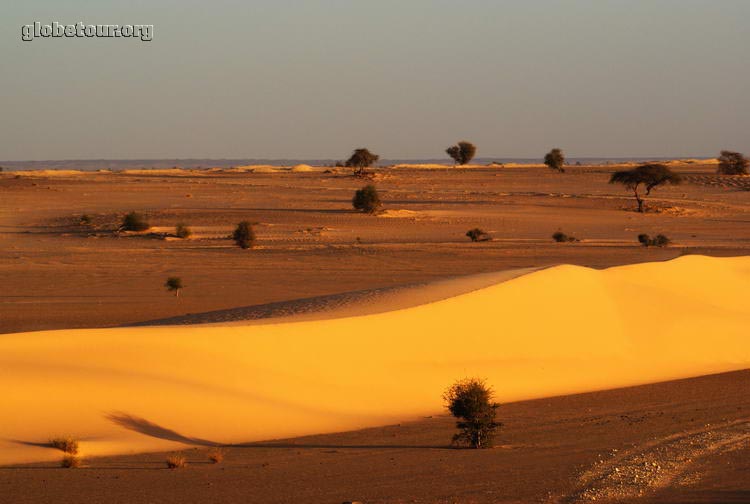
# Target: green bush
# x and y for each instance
(134, 222)
(367, 199)
(471, 402)
(243, 235)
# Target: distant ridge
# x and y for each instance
(129, 164)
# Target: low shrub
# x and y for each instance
(657, 241)
(182, 231)
(561, 237)
(216, 456)
(134, 222)
(243, 235)
(70, 461)
(477, 235)
(367, 199)
(176, 462)
(174, 284)
(85, 220)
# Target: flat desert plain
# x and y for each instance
(339, 321)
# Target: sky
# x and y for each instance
(311, 79)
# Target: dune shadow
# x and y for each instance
(148, 428)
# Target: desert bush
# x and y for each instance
(648, 175)
(561, 237)
(360, 160)
(471, 402)
(477, 235)
(216, 456)
(134, 222)
(555, 159)
(65, 444)
(85, 220)
(462, 153)
(70, 461)
(367, 199)
(657, 241)
(733, 163)
(176, 462)
(182, 231)
(243, 235)
(174, 284)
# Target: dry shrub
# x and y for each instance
(70, 462)
(176, 462)
(216, 456)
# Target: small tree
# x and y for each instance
(471, 402)
(555, 159)
(243, 235)
(462, 153)
(360, 160)
(182, 231)
(174, 284)
(367, 199)
(733, 163)
(134, 222)
(648, 175)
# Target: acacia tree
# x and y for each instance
(462, 153)
(555, 159)
(174, 284)
(360, 160)
(733, 163)
(649, 176)
(471, 402)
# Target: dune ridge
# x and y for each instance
(556, 331)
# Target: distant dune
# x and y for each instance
(555, 331)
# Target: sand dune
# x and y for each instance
(560, 330)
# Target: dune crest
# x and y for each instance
(561, 330)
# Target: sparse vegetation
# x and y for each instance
(182, 231)
(462, 153)
(471, 402)
(561, 237)
(648, 175)
(360, 160)
(733, 163)
(174, 284)
(555, 159)
(176, 462)
(85, 220)
(243, 235)
(216, 456)
(134, 222)
(657, 241)
(367, 199)
(477, 235)
(65, 444)
(70, 461)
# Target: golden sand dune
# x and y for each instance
(555, 331)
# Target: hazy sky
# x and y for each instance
(317, 78)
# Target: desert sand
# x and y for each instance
(563, 330)
(339, 321)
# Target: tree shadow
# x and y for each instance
(148, 428)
